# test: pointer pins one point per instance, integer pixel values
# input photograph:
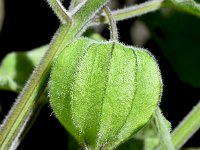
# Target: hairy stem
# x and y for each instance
(19, 114)
(131, 12)
(60, 11)
(31, 119)
(164, 135)
(74, 3)
(112, 23)
(187, 127)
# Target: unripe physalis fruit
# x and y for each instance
(104, 92)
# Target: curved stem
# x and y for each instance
(187, 127)
(164, 135)
(112, 23)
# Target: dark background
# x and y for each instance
(30, 24)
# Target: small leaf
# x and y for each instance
(190, 6)
(104, 92)
(16, 67)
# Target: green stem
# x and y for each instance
(74, 3)
(40, 103)
(19, 114)
(112, 23)
(60, 11)
(189, 125)
(164, 135)
(132, 11)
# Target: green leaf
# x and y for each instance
(178, 36)
(190, 6)
(16, 67)
(104, 92)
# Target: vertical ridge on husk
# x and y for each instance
(108, 91)
(60, 100)
(88, 91)
(117, 103)
(147, 95)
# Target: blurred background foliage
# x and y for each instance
(173, 36)
(1, 13)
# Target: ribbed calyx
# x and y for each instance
(104, 92)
